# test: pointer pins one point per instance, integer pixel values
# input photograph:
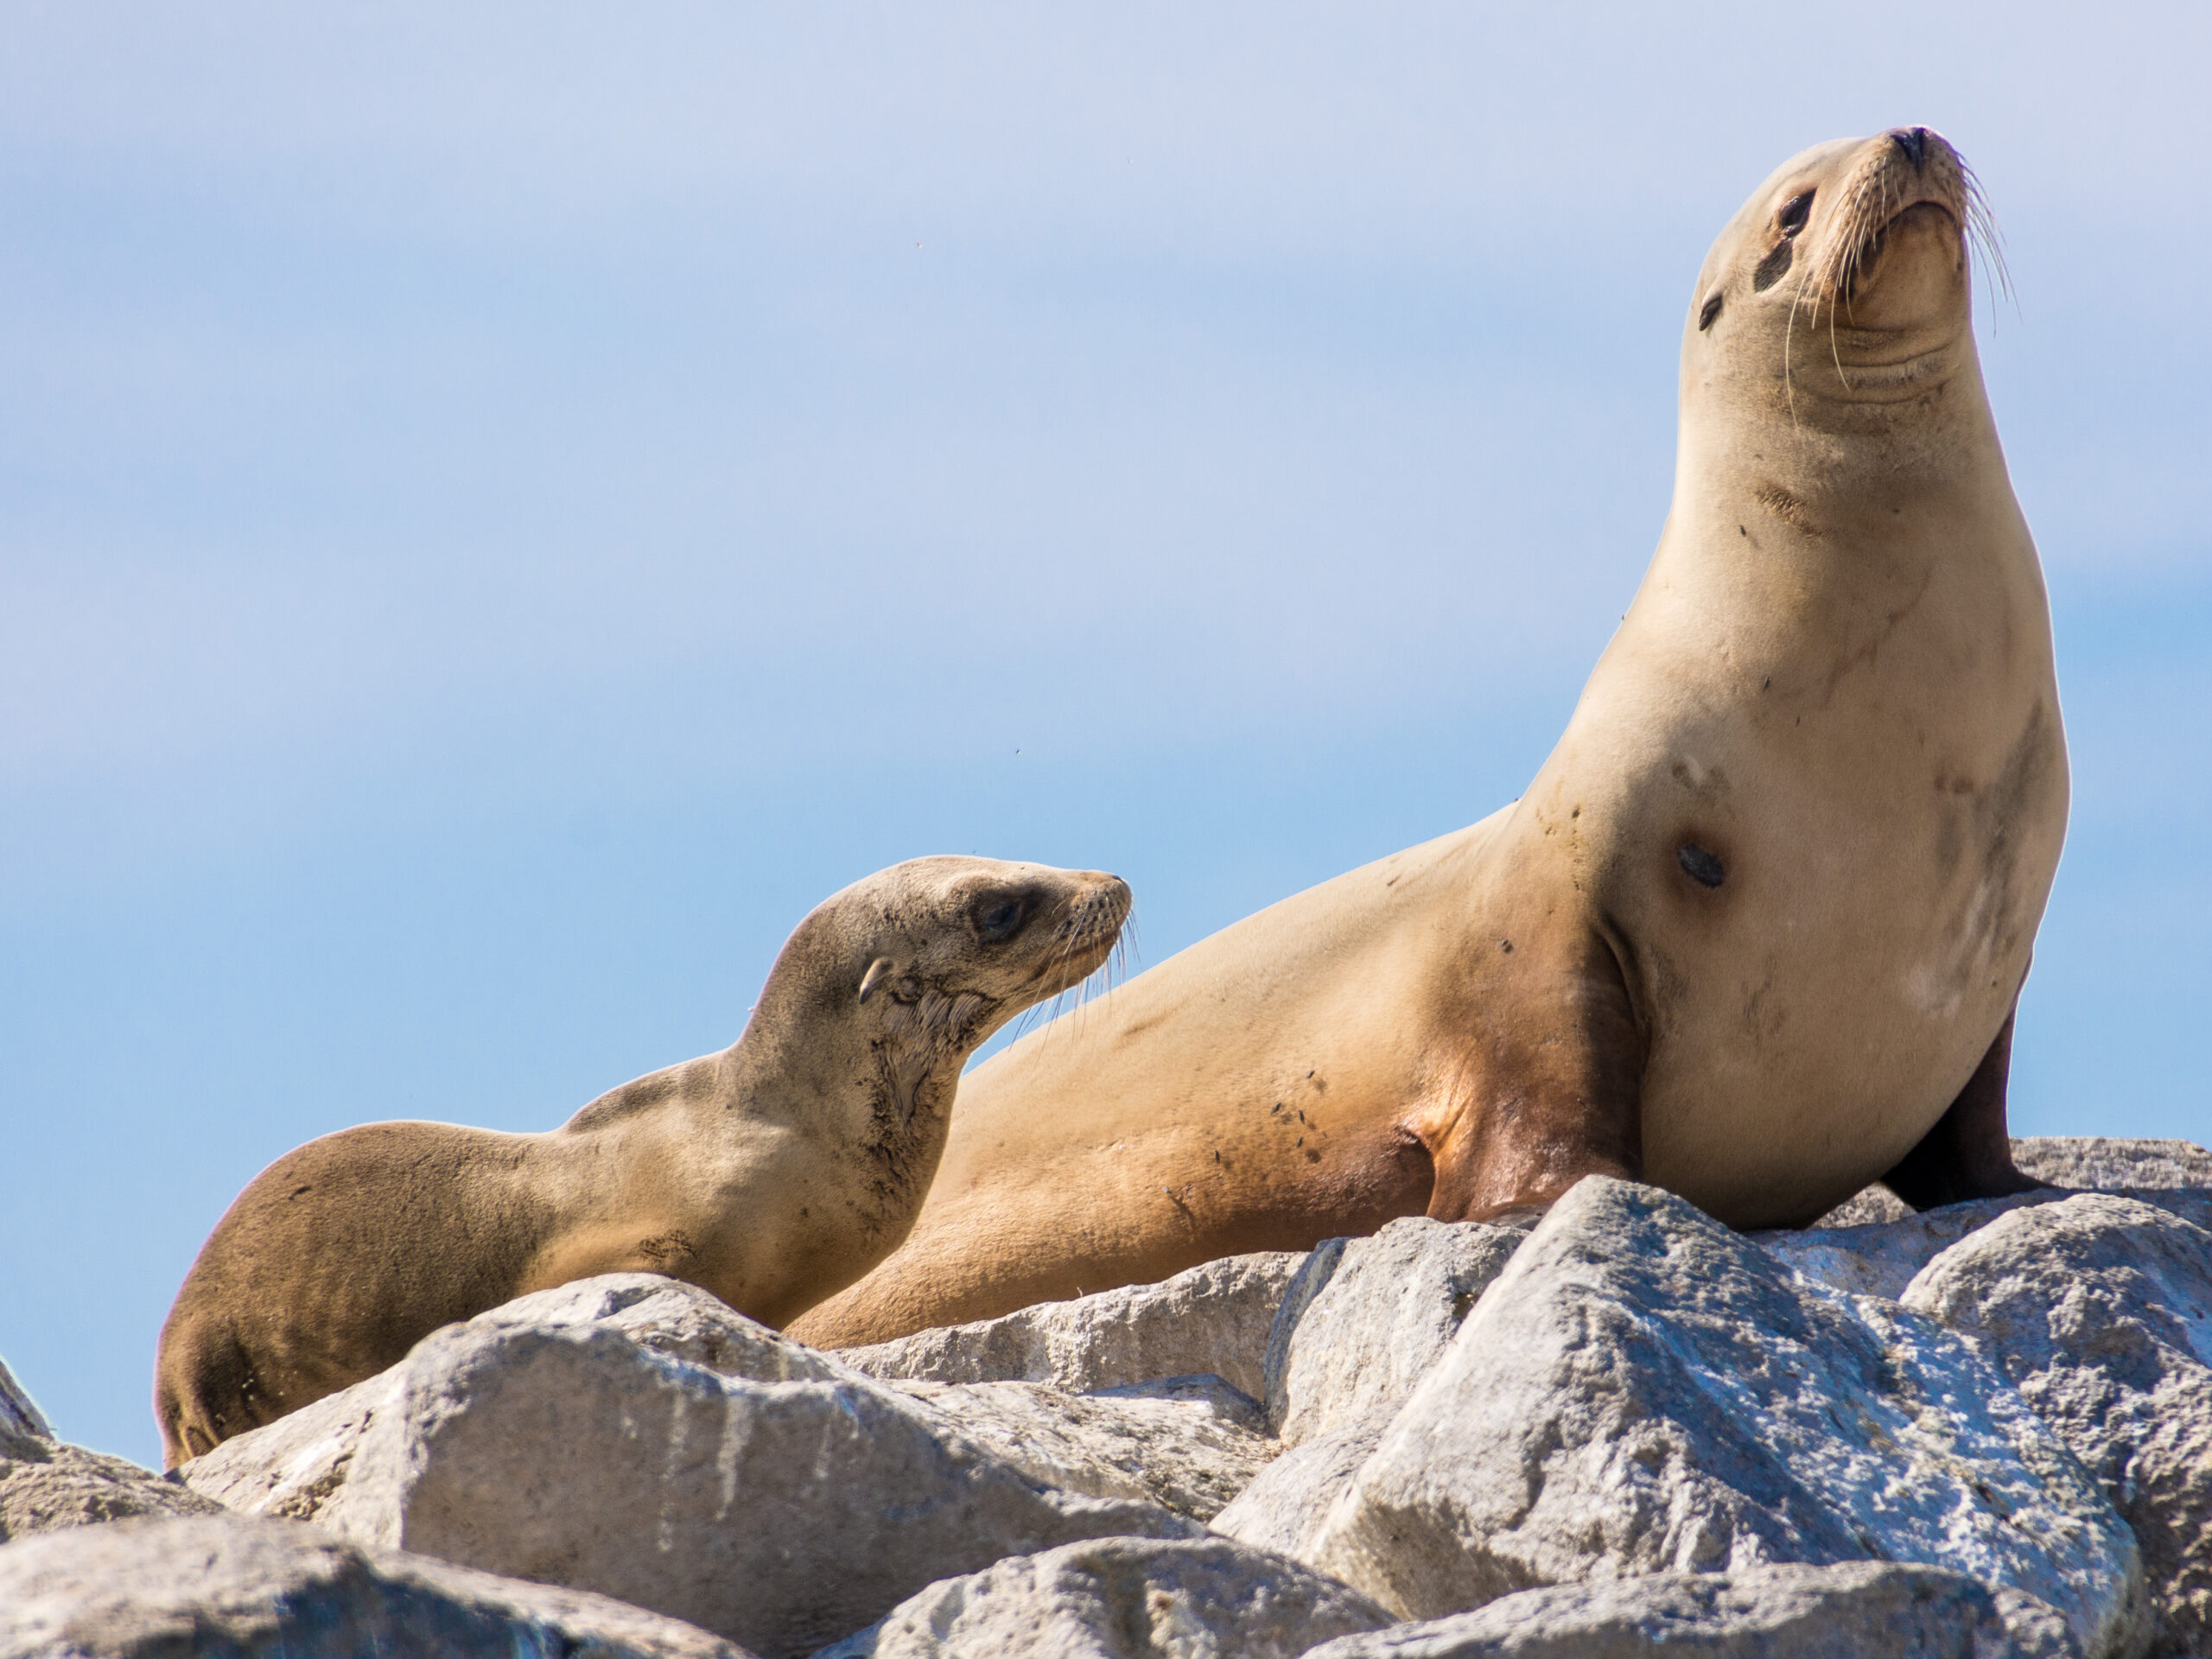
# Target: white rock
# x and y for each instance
(1122, 1598)
(2107, 1163)
(1187, 1443)
(1365, 1319)
(1880, 1259)
(1643, 1391)
(1864, 1208)
(1212, 1319)
(781, 1512)
(295, 1465)
(2097, 1162)
(45, 1486)
(1283, 1508)
(19, 1413)
(2099, 1310)
(241, 1587)
(1859, 1611)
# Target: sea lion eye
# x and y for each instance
(1701, 866)
(1794, 211)
(1001, 921)
(1708, 311)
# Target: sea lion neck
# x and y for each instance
(1752, 454)
(789, 1063)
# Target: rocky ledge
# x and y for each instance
(1985, 1430)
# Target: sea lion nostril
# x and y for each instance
(1913, 141)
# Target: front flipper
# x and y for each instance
(1968, 1154)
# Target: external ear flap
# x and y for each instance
(878, 971)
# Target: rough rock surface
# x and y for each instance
(238, 1587)
(1123, 1598)
(2099, 1310)
(1880, 1259)
(1365, 1317)
(296, 1465)
(1643, 1391)
(2105, 1162)
(781, 1512)
(1853, 1611)
(45, 1486)
(1212, 1319)
(1189, 1444)
(19, 1413)
(2096, 1162)
(1283, 1508)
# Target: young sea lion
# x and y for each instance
(772, 1174)
(1755, 930)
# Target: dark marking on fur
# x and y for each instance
(1772, 268)
(1787, 508)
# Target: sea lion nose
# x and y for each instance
(1913, 141)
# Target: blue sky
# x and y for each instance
(500, 514)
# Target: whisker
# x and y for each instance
(1982, 232)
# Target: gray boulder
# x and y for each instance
(296, 1465)
(1880, 1259)
(2095, 1162)
(1643, 1391)
(2099, 1310)
(19, 1413)
(781, 1512)
(1212, 1319)
(47, 1486)
(1864, 1208)
(2104, 1162)
(1189, 1444)
(1365, 1317)
(1283, 1508)
(1122, 1598)
(1851, 1612)
(241, 1587)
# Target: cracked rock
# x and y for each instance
(1122, 1598)
(246, 1588)
(2099, 1310)
(1643, 1391)
(781, 1510)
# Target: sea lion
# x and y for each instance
(772, 1174)
(1754, 933)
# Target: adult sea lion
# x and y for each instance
(1754, 933)
(772, 1174)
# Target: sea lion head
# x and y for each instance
(963, 939)
(1841, 287)
(927, 958)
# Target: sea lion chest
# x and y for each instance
(1816, 796)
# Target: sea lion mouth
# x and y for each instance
(1088, 934)
(1864, 272)
(1908, 181)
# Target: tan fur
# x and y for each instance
(1835, 690)
(772, 1174)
